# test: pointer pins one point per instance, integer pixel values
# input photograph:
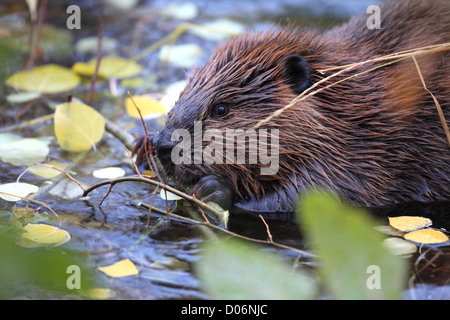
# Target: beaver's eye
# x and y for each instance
(220, 110)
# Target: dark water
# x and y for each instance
(118, 229)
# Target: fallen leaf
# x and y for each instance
(24, 152)
(426, 236)
(406, 223)
(18, 189)
(182, 11)
(219, 29)
(78, 126)
(122, 268)
(181, 55)
(45, 234)
(109, 173)
(48, 172)
(170, 195)
(110, 67)
(97, 293)
(399, 246)
(149, 107)
(48, 79)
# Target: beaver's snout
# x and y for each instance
(163, 146)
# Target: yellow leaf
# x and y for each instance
(19, 189)
(406, 224)
(77, 126)
(149, 107)
(110, 67)
(426, 236)
(97, 293)
(45, 234)
(48, 79)
(48, 172)
(122, 268)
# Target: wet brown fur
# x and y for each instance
(375, 139)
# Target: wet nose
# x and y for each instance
(164, 145)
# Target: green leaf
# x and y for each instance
(350, 249)
(48, 79)
(236, 270)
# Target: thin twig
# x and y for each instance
(275, 244)
(32, 54)
(267, 229)
(36, 201)
(436, 102)
(53, 167)
(99, 57)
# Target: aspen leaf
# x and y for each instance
(182, 11)
(77, 126)
(149, 107)
(110, 67)
(67, 188)
(18, 189)
(48, 172)
(170, 195)
(97, 293)
(24, 152)
(22, 97)
(182, 55)
(219, 29)
(48, 79)
(406, 223)
(426, 236)
(109, 173)
(122, 268)
(45, 234)
(399, 246)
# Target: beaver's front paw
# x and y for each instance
(215, 189)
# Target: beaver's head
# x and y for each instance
(217, 116)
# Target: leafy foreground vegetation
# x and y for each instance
(353, 262)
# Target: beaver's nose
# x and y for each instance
(164, 145)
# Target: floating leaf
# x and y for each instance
(182, 11)
(399, 246)
(234, 270)
(48, 172)
(24, 152)
(48, 79)
(406, 223)
(170, 195)
(67, 188)
(97, 293)
(219, 29)
(109, 173)
(77, 126)
(90, 45)
(110, 67)
(426, 236)
(45, 234)
(182, 55)
(122, 268)
(18, 189)
(22, 97)
(149, 107)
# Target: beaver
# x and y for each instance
(375, 139)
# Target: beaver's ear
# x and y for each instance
(296, 71)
